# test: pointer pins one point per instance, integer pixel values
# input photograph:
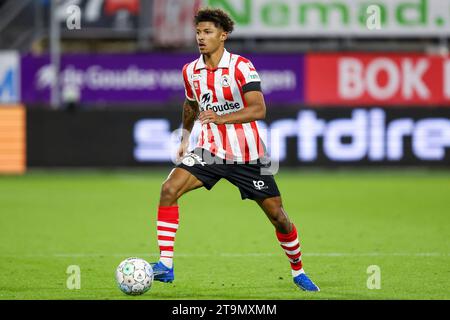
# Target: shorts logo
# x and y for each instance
(189, 160)
(225, 81)
(259, 185)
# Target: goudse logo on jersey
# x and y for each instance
(207, 104)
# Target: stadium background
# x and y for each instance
(364, 134)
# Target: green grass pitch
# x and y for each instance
(226, 248)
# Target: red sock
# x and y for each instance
(167, 227)
(291, 246)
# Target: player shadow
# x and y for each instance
(302, 295)
(330, 292)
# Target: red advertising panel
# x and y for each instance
(377, 79)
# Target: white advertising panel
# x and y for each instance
(311, 18)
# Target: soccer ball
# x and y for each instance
(134, 276)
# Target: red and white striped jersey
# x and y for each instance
(222, 90)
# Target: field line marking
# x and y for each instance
(234, 255)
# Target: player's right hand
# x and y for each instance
(182, 150)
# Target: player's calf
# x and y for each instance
(273, 209)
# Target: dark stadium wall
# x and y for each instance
(302, 137)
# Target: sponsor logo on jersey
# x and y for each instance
(206, 103)
(254, 76)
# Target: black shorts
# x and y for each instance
(247, 177)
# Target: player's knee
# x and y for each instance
(274, 204)
(280, 217)
(169, 190)
(275, 209)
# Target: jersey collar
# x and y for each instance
(223, 63)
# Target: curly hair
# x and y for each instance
(219, 17)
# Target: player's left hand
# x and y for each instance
(209, 116)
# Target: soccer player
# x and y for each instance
(223, 91)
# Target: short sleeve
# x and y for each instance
(248, 76)
(187, 86)
(248, 72)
